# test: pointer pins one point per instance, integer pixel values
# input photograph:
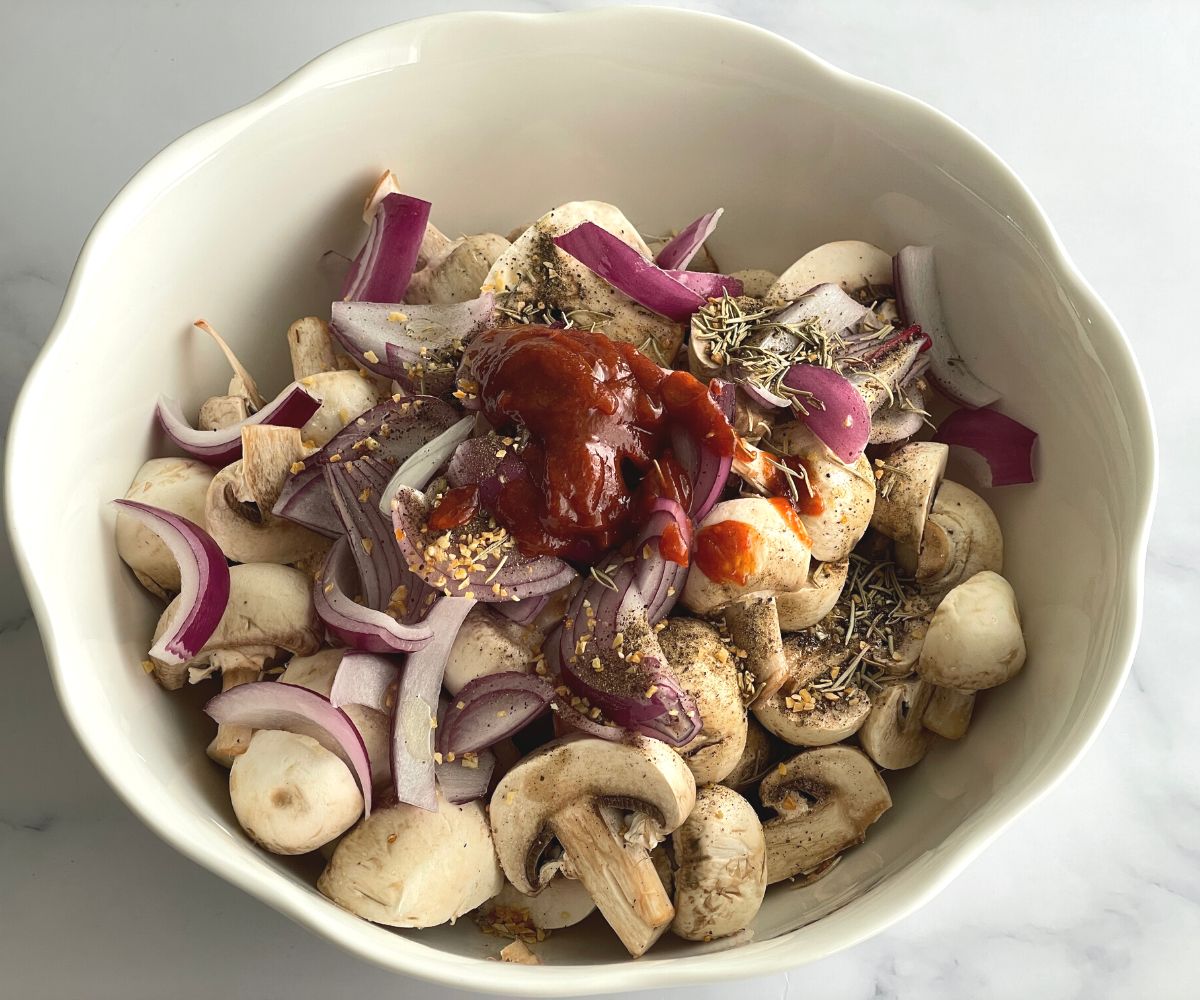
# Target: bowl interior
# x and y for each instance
(495, 119)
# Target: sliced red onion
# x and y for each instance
(629, 272)
(564, 711)
(492, 708)
(915, 277)
(842, 421)
(764, 397)
(707, 471)
(1006, 445)
(364, 679)
(828, 304)
(660, 580)
(478, 461)
(356, 487)
(203, 580)
(679, 250)
(417, 702)
(465, 780)
(390, 433)
(421, 466)
(295, 709)
(884, 369)
(384, 266)
(357, 626)
(291, 408)
(506, 576)
(367, 329)
(711, 286)
(524, 612)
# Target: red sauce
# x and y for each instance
(455, 508)
(671, 546)
(727, 552)
(787, 511)
(598, 414)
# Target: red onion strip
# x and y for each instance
(680, 249)
(419, 468)
(465, 779)
(364, 679)
(384, 266)
(711, 286)
(1005, 444)
(837, 413)
(492, 708)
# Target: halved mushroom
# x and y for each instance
(720, 857)
(704, 668)
(562, 902)
(805, 607)
(458, 272)
(533, 272)
(849, 263)
(949, 712)
(175, 484)
(291, 794)
(408, 867)
(975, 639)
(311, 347)
(344, 395)
(962, 537)
(755, 760)
(892, 734)
(753, 624)
(906, 490)
(824, 799)
(807, 711)
(560, 790)
(750, 545)
(755, 281)
(489, 643)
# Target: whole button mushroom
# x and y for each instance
(805, 607)
(409, 867)
(962, 537)
(458, 272)
(290, 794)
(561, 790)
(175, 484)
(893, 735)
(755, 281)
(720, 875)
(755, 760)
(974, 638)
(852, 264)
(706, 670)
(825, 800)
(488, 643)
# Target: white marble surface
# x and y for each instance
(1094, 893)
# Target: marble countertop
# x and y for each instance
(1093, 893)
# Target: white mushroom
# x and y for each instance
(175, 484)
(974, 638)
(720, 857)
(219, 412)
(311, 347)
(906, 491)
(824, 799)
(708, 672)
(248, 533)
(750, 545)
(458, 272)
(755, 760)
(344, 395)
(948, 713)
(805, 607)
(800, 713)
(893, 735)
(534, 270)
(409, 867)
(755, 281)
(753, 624)
(560, 791)
(489, 643)
(849, 263)
(561, 902)
(962, 537)
(291, 794)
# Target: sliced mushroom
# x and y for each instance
(755, 760)
(175, 484)
(948, 713)
(705, 669)
(802, 714)
(489, 643)
(975, 639)
(408, 867)
(849, 263)
(805, 607)
(751, 545)
(906, 491)
(248, 533)
(344, 395)
(892, 734)
(311, 347)
(562, 902)
(290, 794)
(720, 857)
(962, 537)
(824, 799)
(755, 281)
(753, 624)
(219, 412)
(559, 791)
(458, 272)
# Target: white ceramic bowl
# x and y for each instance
(496, 117)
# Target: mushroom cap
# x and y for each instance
(643, 774)
(755, 760)
(974, 639)
(805, 607)
(561, 902)
(777, 562)
(488, 643)
(704, 668)
(290, 794)
(962, 537)
(720, 857)
(948, 713)
(316, 673)
(892, 734)
(268, 539)
(175, 484)
(849, 263)
(536, 270)
(410, 867)
(344, 395)
(787, 716)
(825, 799)
(846, 492)
(457, 274)
(755, 281)
(907, 490)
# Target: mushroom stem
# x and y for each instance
(619, 875)
(310, 345)
(753, 625)
(268, 456)
(232, 741)
(949, 712)
(239, 370)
